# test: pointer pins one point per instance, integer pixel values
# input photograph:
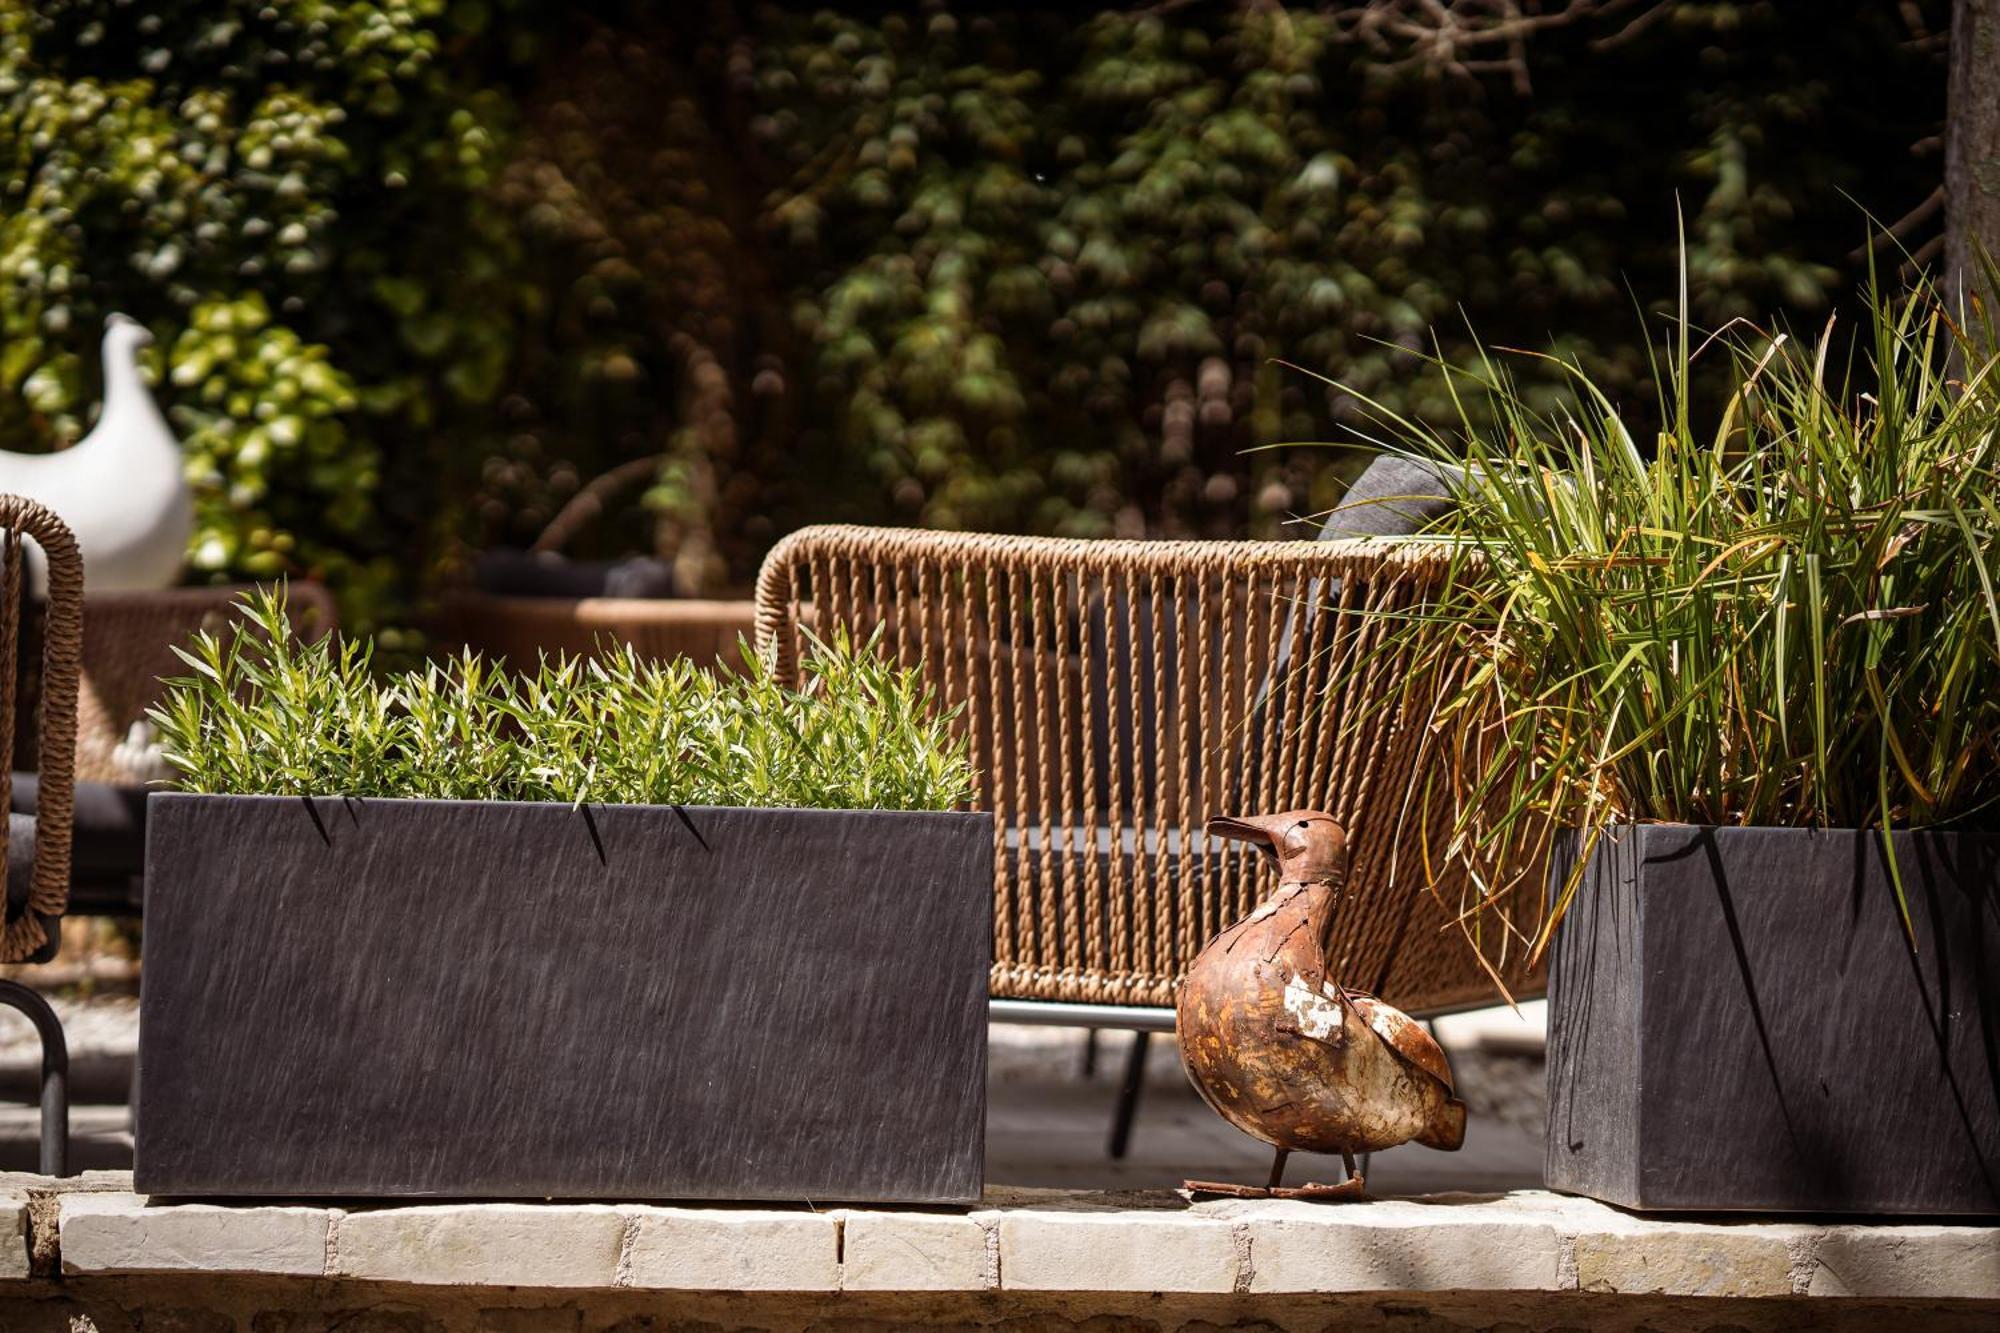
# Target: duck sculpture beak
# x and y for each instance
(1260, 831)
(1305, 843)
(140, 335)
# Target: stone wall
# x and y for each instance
(90, 1257)
(269, 1305)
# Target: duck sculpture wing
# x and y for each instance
(1396, 1029)
(1403, 1035)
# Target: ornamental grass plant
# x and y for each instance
(264, 713)
(1779, 609)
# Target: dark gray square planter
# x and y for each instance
(1737, 1021)
(476, 999)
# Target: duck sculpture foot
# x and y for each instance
(1281, 1049)
(1350, 1190)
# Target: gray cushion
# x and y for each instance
(20, 879)
(1394, 497)
(107, 847)
(20, 862)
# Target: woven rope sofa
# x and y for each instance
(1116, 693)
(37, 846)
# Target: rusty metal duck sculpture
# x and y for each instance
(1287, 1054)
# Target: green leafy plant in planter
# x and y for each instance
(610, 929)
(1781, 610)
(1714, 678)
(265, 714)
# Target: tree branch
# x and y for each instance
(1460, 37)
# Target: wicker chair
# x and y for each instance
(1115, 694)
(38, 846)
(125, 656)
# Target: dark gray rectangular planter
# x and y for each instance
(481, 999)
(1737, 1021)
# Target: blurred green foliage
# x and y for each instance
(423, 269)
(296, 196)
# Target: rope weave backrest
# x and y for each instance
(1114, 695)
(62, 648)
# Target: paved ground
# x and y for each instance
(1048, 1123)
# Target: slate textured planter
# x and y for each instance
(1737, 1021)
(479, 999)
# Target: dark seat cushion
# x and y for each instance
(20, 880)
(107, 851)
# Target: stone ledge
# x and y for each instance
(464, 1245)
(1061, 1249)
(119, 1233)
(1024, 1241)
(730, 1249)
(14, 1241)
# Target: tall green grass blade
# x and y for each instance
(1784, 614)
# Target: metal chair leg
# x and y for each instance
(1090, 1053)
(1128, 1095)
(55, 1074)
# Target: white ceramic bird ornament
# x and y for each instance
(122, 488)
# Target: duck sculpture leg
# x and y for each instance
(1354, 1187)
(1285, 1053)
